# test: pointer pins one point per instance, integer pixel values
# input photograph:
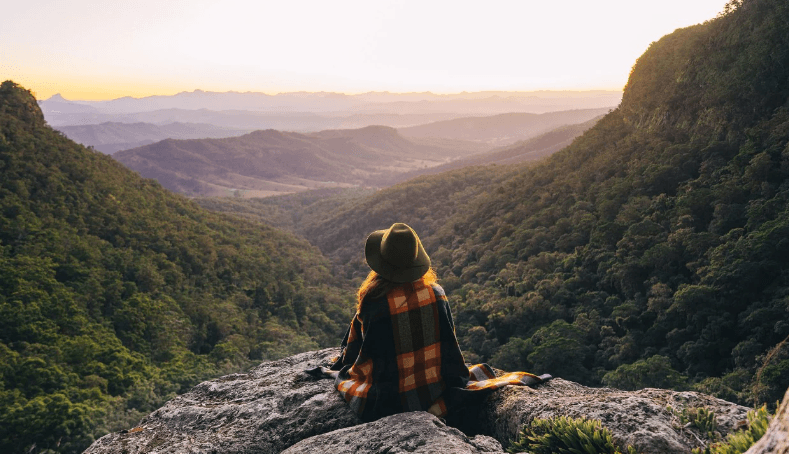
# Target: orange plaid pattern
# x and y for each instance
(400, 302)
(417, 336)
(439, 408)
(482, 377)
(419, 368)
(359, 381)
(413, 311)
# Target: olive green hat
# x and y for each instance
(397, 254)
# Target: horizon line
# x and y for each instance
(349, 94)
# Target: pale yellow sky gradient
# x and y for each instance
(87, 49)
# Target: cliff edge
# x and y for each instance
(276, 407)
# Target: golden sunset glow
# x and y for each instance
(101, 50)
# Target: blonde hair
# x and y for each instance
(377, 285)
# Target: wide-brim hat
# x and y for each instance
(397, 254)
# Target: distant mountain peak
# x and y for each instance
(379, 128)
(57, 98)
(20, 103)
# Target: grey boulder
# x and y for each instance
(647, 419)
(276, 407)
(263, 411)
(415, 432)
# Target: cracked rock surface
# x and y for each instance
(415, 432)
(276, 407)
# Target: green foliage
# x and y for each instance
(702, 419)
(656, 243)
(292, 212)
(116, 294)
(772, 378)
(564, 435)
(733, 386)
(654, 372)
(740, 441)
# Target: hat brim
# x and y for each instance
(376, 262)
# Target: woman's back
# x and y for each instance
(400, 353)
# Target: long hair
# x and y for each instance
(377, 285)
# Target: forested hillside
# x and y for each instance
(292, 212)
(659, 240)
(503, 129)
(115, 294)
(653, 251)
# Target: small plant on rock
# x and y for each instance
(564, 435)
(700, 418)
(704, 421)
(740, 441)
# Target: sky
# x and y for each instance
(91, 50)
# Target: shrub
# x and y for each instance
(700, 418)
(740, 441)
(655, 372)
(564, 435)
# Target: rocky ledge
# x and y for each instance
(776, 440)
(276, 407)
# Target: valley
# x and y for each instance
(644, 245)
(270, 162)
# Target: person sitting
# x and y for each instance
(400, 352)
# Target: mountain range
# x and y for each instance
(251, 120)
(270, 162)
(299, 112)
(489, 102)
(111, 137)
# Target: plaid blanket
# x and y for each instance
(400, 354)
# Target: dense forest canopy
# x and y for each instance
(659, 238)
(115, 294)
(653, 251)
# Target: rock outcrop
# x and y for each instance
(415, 432)
(266, 410)
(776, 440)
(276, 407)
(647, 419)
